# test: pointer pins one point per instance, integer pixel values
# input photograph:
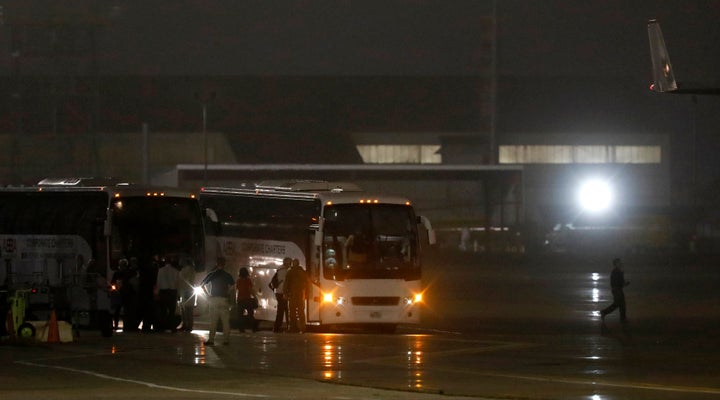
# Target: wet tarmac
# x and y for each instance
(492, 329)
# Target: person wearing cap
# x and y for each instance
(221, 284)
(276, 284)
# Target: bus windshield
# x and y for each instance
(370, 241)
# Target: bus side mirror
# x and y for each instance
(107, 224)
(428, 226)
(319, 232)
(431, 237)
(211, 214)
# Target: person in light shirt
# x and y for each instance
(168, 278)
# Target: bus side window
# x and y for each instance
(116, 244)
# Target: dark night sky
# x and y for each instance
(547, 48)
(606, 38)
(568, 66)
(387, 37)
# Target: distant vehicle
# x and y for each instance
(631, 235)
(663, 75)
(362, 250)
(62, 240)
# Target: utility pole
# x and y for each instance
(205, 97)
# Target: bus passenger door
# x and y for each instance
(212, 228)
(314, 297)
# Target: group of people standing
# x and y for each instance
(218, 285)
(147, 295)
(290, 285)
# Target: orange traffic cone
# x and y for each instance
(53, 331)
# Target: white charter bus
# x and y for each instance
(62, 239)
(362, 251)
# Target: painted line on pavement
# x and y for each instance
(625, 385)
(491, 346)
(142, 383)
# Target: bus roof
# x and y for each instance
(114, 187)
(309, 186)
(334, 192)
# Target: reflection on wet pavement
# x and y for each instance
(415, 364)
(340, 358)
(516, 331)
(589, 366)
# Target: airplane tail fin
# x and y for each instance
(664, 79)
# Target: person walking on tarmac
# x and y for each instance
(276, 284)
(220, 282)
(617, 285)
(245, 301)
(295, 289)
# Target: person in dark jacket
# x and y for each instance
(221, 283)
(246, 302)
(116, 298)
(617, 285)
(147, 281)
(276, 284)
(187, 286)
(129, 288)
(296, 289)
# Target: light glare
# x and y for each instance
(595, 196)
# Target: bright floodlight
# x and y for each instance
(595, 196)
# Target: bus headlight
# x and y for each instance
(416, 298)
(327, 298)
(330, 298)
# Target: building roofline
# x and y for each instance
(349, 167)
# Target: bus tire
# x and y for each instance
(26, 331)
